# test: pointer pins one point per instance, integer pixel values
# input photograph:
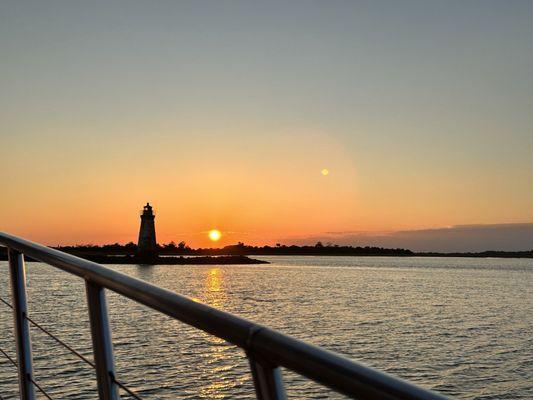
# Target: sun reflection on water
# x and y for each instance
(214, 280)
(219, 356)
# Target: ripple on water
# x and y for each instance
(459, 326)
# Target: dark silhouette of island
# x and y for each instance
(180, 253)
(169, 260)
(239, 249)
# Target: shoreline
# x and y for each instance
(180, 260)
(189, 258)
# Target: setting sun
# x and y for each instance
(214, 235)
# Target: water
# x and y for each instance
(459, 326)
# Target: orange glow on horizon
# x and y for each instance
(256, 202)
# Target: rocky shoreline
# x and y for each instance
(168, 260)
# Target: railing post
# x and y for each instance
(267, 380)
(17, 274)
(102, 344)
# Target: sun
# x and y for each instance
(214, 235)
(325, 172)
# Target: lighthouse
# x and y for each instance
(147, 246)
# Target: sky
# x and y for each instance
(223, 114)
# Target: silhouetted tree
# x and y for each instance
(171, 246)
(130, 246)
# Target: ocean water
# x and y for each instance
(463, 327)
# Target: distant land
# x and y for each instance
(180, 253)
(102, 256)
(170, 260)
(476, 238)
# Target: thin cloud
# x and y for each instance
(460, 238)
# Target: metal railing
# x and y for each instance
(267, 350)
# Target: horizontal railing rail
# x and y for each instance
(266, 349)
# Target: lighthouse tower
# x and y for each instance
(147, 246)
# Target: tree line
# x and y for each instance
(240, 248)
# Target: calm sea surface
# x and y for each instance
(463, 327)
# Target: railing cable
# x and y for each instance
(80, 356)
(30, 378)
(123, 387)
(40, 389)
(76, 353)
(44, 330)
(8, 357)
(6, 303)
(12, 362)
